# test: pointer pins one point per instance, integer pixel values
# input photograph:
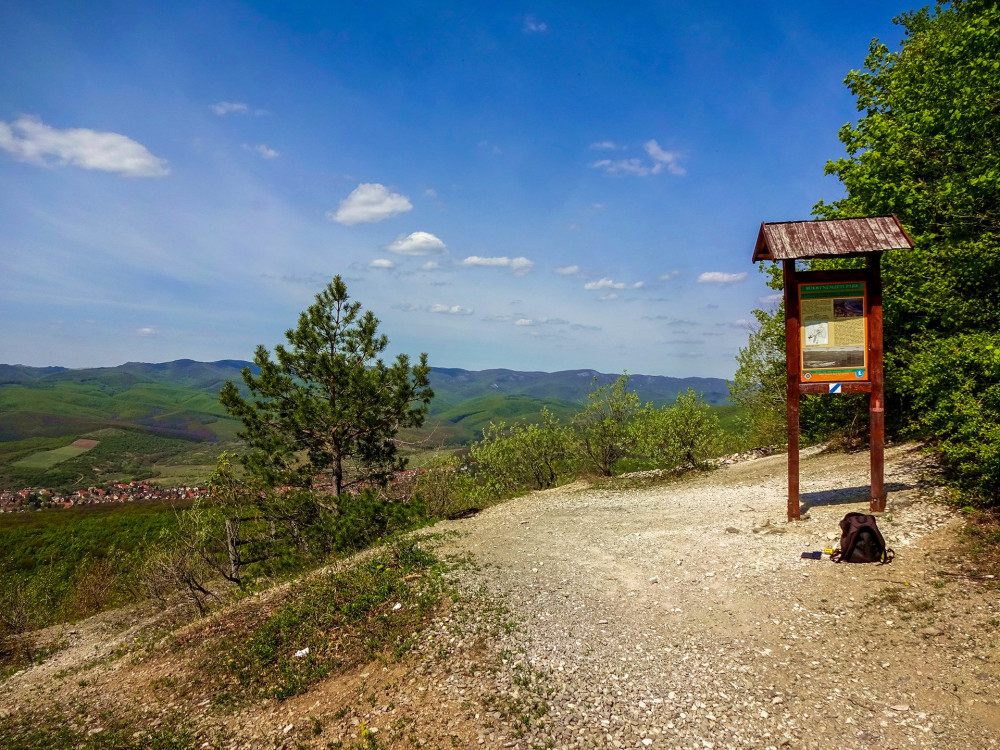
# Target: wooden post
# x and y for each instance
(793, 352)
(877, 419)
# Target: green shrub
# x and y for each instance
(366, 518)
(682, 434)
(954, 384)
(605, 429)
(512, 458)
(447, 488)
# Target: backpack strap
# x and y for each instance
(888, 556)
(836, 555)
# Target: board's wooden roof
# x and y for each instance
(789, 240)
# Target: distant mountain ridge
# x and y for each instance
(178, 398)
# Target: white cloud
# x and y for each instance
(417, 243)
(32, 141)
(533, 26)
(604, 284)
(381, 263)
(146, 331)
(669, 275)
(659, 160)
(368, 203)
(519, 265)
(608, 296)
(771, 299)
(623, 166)
(431, 265)
(430, 193)
(639, 285)
(723, 279)
(524, 322)
(230, 108)
(605, 146)
(265, 151)
(567, 270)
(663, 158)
(449, 309)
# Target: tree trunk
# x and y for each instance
(232, 532)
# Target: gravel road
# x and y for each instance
(637, 613)
(681, 615)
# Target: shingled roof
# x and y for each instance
(788, 240)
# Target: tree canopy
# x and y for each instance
(327, 405)
(926, 148)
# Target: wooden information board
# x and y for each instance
(834, 331)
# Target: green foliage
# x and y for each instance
(447, 487)
(368, 518)
(605, 427)
(683, 434)
(59, 565)
(955, 387)
(343, 619)
(328, 404)
(520, 455)
(927, 148)
(758, 386)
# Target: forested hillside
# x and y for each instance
(170, 411)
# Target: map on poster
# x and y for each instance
(834, 331)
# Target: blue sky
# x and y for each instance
(538, 186)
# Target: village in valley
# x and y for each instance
(34, 498)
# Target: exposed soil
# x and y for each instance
(633, 613)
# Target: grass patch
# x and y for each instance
(57, 731)
(981, 535)
(47, 459)
(344, 619)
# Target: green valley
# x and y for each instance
(163, 422)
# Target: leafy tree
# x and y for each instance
(547, 450)
(759, 383)
(512, 457)
(927, 145)
(684, 433)
(327, 404)
(927, 148)
(606, 427)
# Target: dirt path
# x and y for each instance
(658, 617)
(671, 615)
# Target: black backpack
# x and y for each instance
(861, 541)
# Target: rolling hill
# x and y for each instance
(45, 408)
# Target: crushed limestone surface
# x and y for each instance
(630, 614)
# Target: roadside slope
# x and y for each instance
(638, 615)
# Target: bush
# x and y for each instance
(521, 456)
(605, 428)
(447, 488)
(366, 518)
(955, 387)
(685, 433)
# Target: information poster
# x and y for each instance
(834, 331)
